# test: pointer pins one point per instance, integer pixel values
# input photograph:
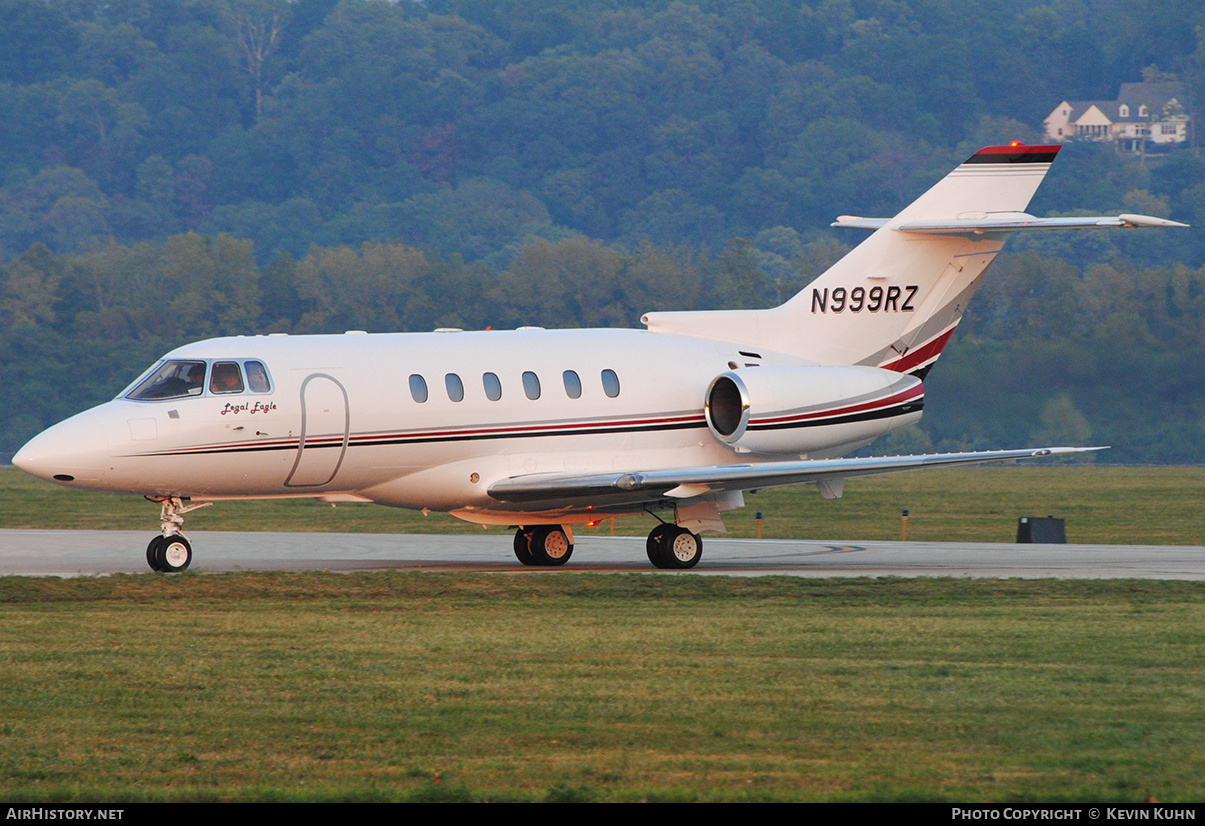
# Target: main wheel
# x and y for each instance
(550, 545)
(681, 549)
(152, 549)
(523, 546)
(653, 544)
(173, 554)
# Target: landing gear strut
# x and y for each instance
(170, 552)
(545, 545)
(670, 546)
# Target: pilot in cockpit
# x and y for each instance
(225, 378)
(196, 379)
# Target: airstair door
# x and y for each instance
(325, 414)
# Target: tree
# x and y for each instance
(380, 288)
(28, 287)
(1062, 423)
(257, 25)
(739, 283)
(39, 41)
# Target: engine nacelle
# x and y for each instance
(809, 409)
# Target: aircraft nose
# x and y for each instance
(72, 451)
(39, 458)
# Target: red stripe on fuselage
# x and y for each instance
(915, 358)
(903, 397)
(402, 437)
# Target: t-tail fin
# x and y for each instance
(895, 299)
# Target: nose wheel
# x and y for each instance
(170, 552)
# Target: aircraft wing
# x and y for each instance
(684, 483)
(986, 223)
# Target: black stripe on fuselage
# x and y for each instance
(363, 441)
(470, 437)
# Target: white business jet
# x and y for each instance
(545, 429)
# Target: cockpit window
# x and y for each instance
(257, 377)
(173, 380)
(226, 378)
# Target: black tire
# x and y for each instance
(173, 555)
(681, 549)
(523, 546)
(653, 544)
(151, 550)
(550, 545)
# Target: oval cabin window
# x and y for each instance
(610, 383)
(531, 385)
(493, 387)
(418, 388)
(573, 384)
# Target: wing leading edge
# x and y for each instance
(684, 483)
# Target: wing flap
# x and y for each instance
(657, 484)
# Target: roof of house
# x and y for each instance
(1155, 96)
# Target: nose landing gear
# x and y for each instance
(171, 552)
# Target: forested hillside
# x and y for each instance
(175, 169)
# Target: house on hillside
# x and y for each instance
(1143, 114)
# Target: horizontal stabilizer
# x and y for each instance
(988, 223)
(659, 483)
(858, 222)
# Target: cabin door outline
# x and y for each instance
(325, 431)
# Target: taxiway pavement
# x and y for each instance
(75, 553)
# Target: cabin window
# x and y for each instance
(226, 378)
(531, 385)
(257, 377)
(455, 387)
(610, 383)
(418, 388)
(493, 387)
(573, 384)
(172, 380)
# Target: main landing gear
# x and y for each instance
(170, 552)
(674, 548)
(546, 545)
(670, 546)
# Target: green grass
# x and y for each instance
(575, 686)
(416, 686)
(1111, 505)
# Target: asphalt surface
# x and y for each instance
(88, 553)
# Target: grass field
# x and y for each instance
(575, 686)
(419, 686)
(1112, 505)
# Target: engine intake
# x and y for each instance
(792, 410)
